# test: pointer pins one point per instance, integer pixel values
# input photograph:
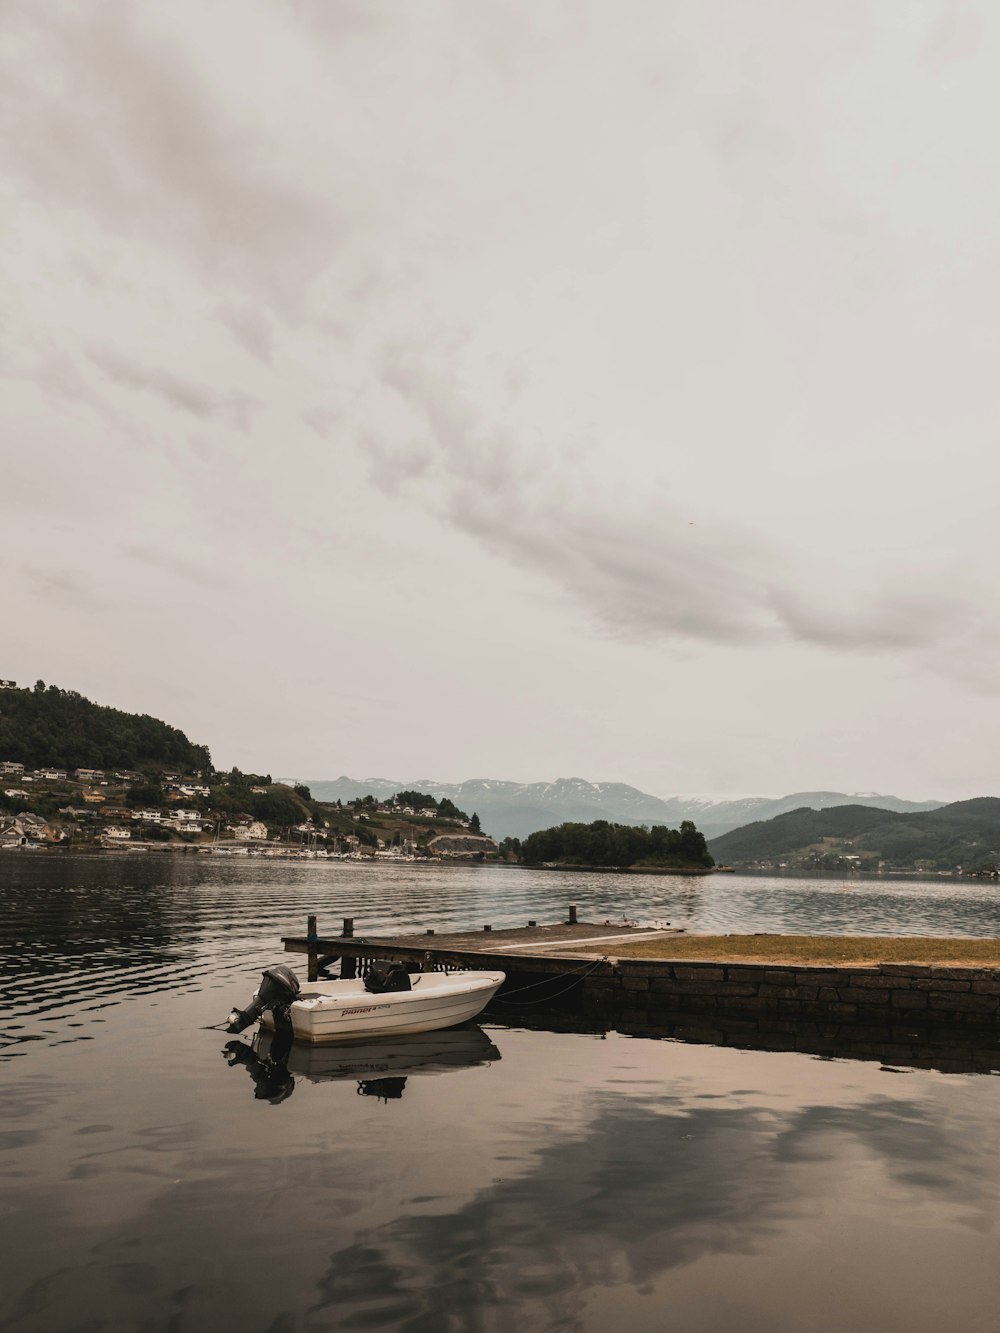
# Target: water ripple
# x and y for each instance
(80, 934)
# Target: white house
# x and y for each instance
(11, 770)
(89, 775)
(253, 832)
(114, 833)
(148, 816)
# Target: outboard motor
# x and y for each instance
(382, 976)
(279, 986)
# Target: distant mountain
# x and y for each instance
(515, 809)
(965, 833)
(716, 816)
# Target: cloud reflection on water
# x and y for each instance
(646, 1187)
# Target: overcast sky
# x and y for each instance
(511, 390)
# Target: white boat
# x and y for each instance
(328, 1011)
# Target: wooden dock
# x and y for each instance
(551, 949)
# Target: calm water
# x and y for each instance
(490, 1179)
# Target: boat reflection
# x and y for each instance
(273, 1081)
(380, 1068)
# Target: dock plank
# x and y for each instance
(551, 948)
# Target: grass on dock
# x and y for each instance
(809, 949)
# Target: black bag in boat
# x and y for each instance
(381, 977)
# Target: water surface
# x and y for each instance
(540, 1180)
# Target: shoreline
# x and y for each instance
(624, 870)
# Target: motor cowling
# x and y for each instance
(382, 976)
(278, 988)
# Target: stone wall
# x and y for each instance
(889, 998)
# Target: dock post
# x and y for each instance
(312, 937)
(572, 914)
(348, 966)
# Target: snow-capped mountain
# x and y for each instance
(515, 809)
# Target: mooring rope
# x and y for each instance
(546, 981)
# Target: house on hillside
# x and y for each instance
(9, 769)
(25, 828)
(255, 831)
(89, 775)
(115, 833)
(10, 835)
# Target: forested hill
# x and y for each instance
(47, 726)
(617, 845)
(965, 833)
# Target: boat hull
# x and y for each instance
(335, 1011)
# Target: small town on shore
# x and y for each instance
(148, 787)
(125, 810)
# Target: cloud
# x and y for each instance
(127, 126)
(61, 586)
(184, 395)
(251, 329)
(645, 570)
(193, 571)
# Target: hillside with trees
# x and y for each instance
(602, 844)
(47, 726)
(965, 833)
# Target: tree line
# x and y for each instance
(49, 727)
